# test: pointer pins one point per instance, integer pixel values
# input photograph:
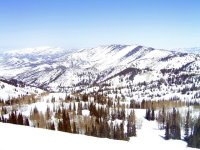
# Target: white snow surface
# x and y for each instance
(58, 70)
(148, 137)
(9, 91)
(195, 50)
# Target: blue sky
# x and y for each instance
(88, 23)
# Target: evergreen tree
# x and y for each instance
(60, 126)
(161, 118)
(131, 129)
(117, 133)
(101, 129)
(26, 122)
(66, 122)
(20, 120)
(85, 98)
(58, 113)
(70, 107)
(122, 136)
(47, 114)
(153, 115)
(186, 134)
(167, 135)
(148, 114)
(175, 126)
(94, 130)
(194, 138)
(79, 110)
(172, 129)
(74, 107)
(52, 126)
(12, 118)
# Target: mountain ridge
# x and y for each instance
(115, 65)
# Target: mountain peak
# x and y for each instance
(37, 50)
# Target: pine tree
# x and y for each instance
(70, 107)
(74, 107)
(143, 104)
(131, 129)
(117, 132)
(186, 134)
(20, 120)
(148, 114)
(122, 136)
(175, 127)
(194, 138)
(47, 114)
(161, 118)
(12, 118)
(167, 135)
(52, 126)
(94, 130)
(79, 111)
(41, 121)
(26, 122)
(58, 113)
(172, 129)
(101, 129)
(66, 122)
(60, 126)
(85, 98)
(153, 115)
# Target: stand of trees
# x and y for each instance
(193, 140)
(106, 118)
(173, 129)
(111, 121)
(150, 114)
(15, 118)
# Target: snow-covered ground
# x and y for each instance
(124, 69)
(23, 138)
(168, 74)
(9, 91)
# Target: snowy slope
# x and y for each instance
(149, 137)
(40, 70)
(58, 70)
(195, 50)
(25, 59)
(9, 91)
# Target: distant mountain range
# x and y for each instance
(140, 72)
(195, 50)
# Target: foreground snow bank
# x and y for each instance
(14, 137)
(23, 138)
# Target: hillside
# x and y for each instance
(12, 89)
(23, 137)
(168, 74)
(145, 96)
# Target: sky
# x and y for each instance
(87, 23)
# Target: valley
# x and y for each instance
(119, 92)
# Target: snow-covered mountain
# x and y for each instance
(18, 61)
(134, 68)
(12, 89)
(118, 77)
(195, 50)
